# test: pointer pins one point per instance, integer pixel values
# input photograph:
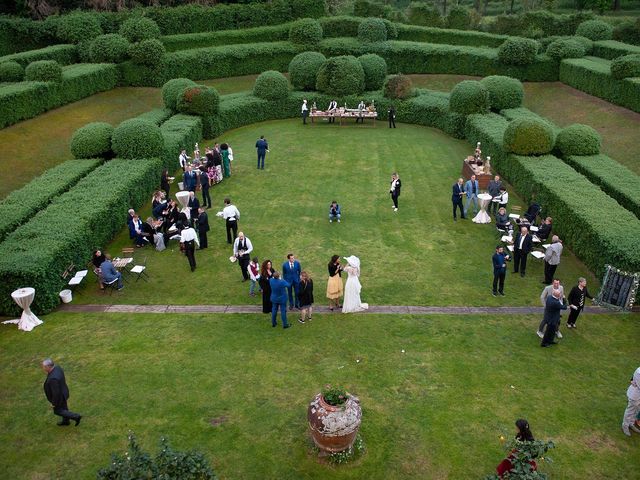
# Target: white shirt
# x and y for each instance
(633, 392)
(522, 237)
(183, 160)
(189, 234)
(504, 198)
(230, 212)
(304, 107)
(393, 185)
(230, 154)
(333, 106)
(237, 242)
(251, 275)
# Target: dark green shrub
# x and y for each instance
(304, 68)
(421, 13)
(136, 29)
(44, 71)
(198, 100)
(92, 140)
(585, 42)
(110, 48)
(342, 75)
(78, 27)
(306, 33)
(271, 85)
(372, 30)
(504, 92)
(398, 87)
(529, 136)
(459, 18)
(11, 72)
(469, 96)
(625, 67)
(627, 32)
(137, 138)
(63, 54)
(595, 30)
(174, 88)
(565, 48)
(578, 139)
(147, 52)
(518, 51)
(375, 70)
(367, 8)
(392, 30)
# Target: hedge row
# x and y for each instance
(611, 49)
(522, 112)
(20, 34)
(616, 180)
(415, 33)
(25, 202)
(63, 54)
(489, 130)
(28, 99)
(70, 228)
(218, 38)
(180, 132)
(157, 115)
(539, 23)
(594, 77)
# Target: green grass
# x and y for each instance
(434, 412)
(416, 256)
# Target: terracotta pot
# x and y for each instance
(334, 429)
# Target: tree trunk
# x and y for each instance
(616, 5)
(511, 10)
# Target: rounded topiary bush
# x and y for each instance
(306, 32)
(110, 48)
(528, 136)
(595, 30)
(518, 51)
(392, 30)
(78, 27)
(578, 139)
(565, 48)
(271, 85)
(304, 68)
(11, 72)
(398, 87)
(92, 141)
(44, 71)
(375, 70)
(626, 66)
(136, 29)
(504, 92)
(459, 18)
(136, 138)
(172, 89)
(469, 96)
(585, 42)
(627, 32)
(147, 52)
(372, 30)
(340, 76)
(198, 100)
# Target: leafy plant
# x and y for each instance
(306, 33)
(504, 92)
(342, 75)
(271, 85)
(110, 48)
(565, 48)
(520, 455)
(578, 139)
(595, 30)
(335, 396)
(11, 71)
(92, 140)
(304, 68)
(136, 29)
(78, 27)
(137, 138)
(44, 71)
(198, 100)
(372, 30)
(518, 51)
(147, 52)
(173, 89)
(529, 136)
(398, 87)
(375, 70)
(469, 96)
(626, 66)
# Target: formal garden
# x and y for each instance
(182, 371)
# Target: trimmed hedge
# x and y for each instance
(488, 129)
(136, 138)
(271, 85)
(626, 67)
(549, 24)
(198, 100)
(616, 180)
(469, 96)
(529, 136)
(518, 51)
(11, 71)
(565, 48)
(83, 80)
(595, 30)
(304, 68)
(25, 202)
(305, 33)
(136, 29)
(43, 71)
(611, 49)
(375, 71)
(92, 140)
(627, 32)
(422, 13)
(504, 92)
(157, 116)
(342, 75)
(78, 27)
(524, 113)
(147, 52)
(415, 33)
(189, 41)
(180, 132)
(69, 229)
(399, 87)
(63, 54)
(173, 89)
(372, 30)
(578, 139)
(459, 18)
(20, 101)
(110, 48)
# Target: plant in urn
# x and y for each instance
(334, 417)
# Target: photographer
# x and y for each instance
(499, 270)
(334, 212)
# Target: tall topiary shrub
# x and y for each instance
(459, 18)
(92, 141)
(147, 52)
(626, 66)
(565, 48)
(339, 76)
(271, 85)
(528, 136)
(110, 48)
(595, 30)
(304, 68)
(78, 27)
(372, 30)
(11, 72)
(469, 96)
(421, 13)
(504, 92)
(44, 71)
(518, 51)
(172, 89)
(578, 139)
(137, 138)
(375, 70)
(306, 33)
(136, 29)
(198, 100)
(399, 87)
(627, 32)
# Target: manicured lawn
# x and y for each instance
(434, 412)
(416, 256)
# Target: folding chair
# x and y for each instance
(140, 270)
(111, 286)
(73, 281)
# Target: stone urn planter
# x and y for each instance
(334, 428)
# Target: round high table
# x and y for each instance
(483, 216)
(183, 200)
(24, 297)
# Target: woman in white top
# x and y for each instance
(351, 302)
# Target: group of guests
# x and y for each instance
(471, 189)
(202, 172)
(105, 270)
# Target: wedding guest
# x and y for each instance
(521, 248)
(472, 189)
(304, 111)
(392, 116)
(262, 147)
(523, 434)
(217, 162)
(190, 179)
(194, 205)
(205, 183)
(266, 272)
(335, 289)
(334, 212)
(188, 240)
(502, 220)
(109, 272)
(552, 259)
(494, 190)
(135, 231)
(394, 190)
(305, 295)
(254, 275)
(278, 300)
(576, 301)
(291, 273)
(242, 247)
(203, 228)
(231, 216)
(546, 292)
(226, 162)
(545, 228)
(184, 160)
(96, 259)
(503, 199)
(149, 230)
(499, 260)
(57, 392)
(552, 311)
(456, 198)
(165, 183)
(633, 405)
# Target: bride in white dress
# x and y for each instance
(351, 301)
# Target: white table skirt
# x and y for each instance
(483, 216)
(24, 297)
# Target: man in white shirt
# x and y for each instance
(548, 290)
(231, 215)
(304, 111)
(333, 106)
(184, 160)
(633, 405)
(242, 247)
(188, 241)
(361, 109)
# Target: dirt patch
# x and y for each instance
(601, 443)
(217, 421)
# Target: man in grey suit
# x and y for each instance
(57, 392)
(472, 189)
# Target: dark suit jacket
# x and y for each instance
(55, 387)
(305, 295)
(194, 205)
(456, 190)
(527, 245)
(552, 309)
(291, 275)
(190, 180)
(396, 192)
(499, 263)
(261, 145)
(279, 290)
(203, 222)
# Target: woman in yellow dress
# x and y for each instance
(334, 285)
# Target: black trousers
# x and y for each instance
(549, 334)
(360, 119)
(332, 119)
(573, 316)
(64, 412)
(520, 261)
(498, 282)
(189, 251)
(202, 235)
(394, 197)
(392, 122)
(458, 204)
(305, 114)
(232, 226)
(243, 261)
(549, 272)
(206, 198)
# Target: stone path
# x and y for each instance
(373, 309)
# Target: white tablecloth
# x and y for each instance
(24, 297)
(483, 216)
(183, 200)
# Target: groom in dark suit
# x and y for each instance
(291, 274)
(57, 392)
(279, 299)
